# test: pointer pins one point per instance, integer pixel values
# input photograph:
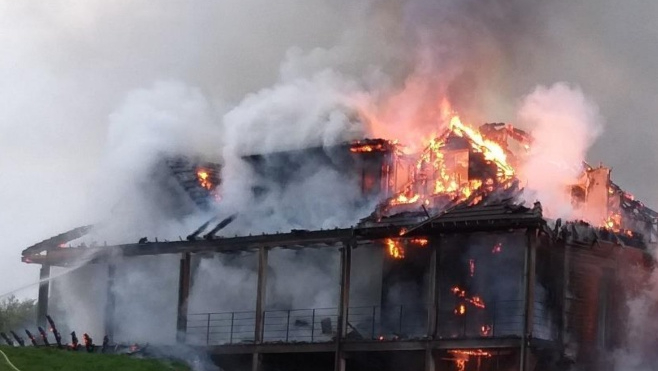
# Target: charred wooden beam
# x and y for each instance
(44, 336)
(261, 297)
(430, 363)
(110, 304)
(193, 236)
(485, 218)
(7, 339)
(331, 237)
(56, 334)
(432, 287)
(226, 221)
(19, 339)
(54, 242)
(261, 294)
(529, 273)
(344, 302)
(32, 338)
(44, 288)
(183, 295)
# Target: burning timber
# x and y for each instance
(498, 285)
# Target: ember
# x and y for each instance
(463, 356)
(359, 147)
(475, 300)
(471, 353)
(422, 242)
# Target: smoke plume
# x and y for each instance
(564, 124)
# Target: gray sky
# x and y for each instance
(85, 86)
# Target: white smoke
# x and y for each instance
(564, 124)
(298, 114)
(637, 353)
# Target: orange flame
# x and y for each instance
(470, 353)
(395, 249)
(447, 174)
(357, 147)
(460, 310)
(476, 301)
(203, 175)
(422, 242)
(463, 356)
(613, 222)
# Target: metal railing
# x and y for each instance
(388, 322)
(221, 328)
(500, 319)
(300, 325)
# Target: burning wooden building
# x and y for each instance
(468, 277)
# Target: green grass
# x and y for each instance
(51, 359)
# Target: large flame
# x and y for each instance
(433, 166)
(444, 172)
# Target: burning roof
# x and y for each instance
(465, 167)
(463, 174)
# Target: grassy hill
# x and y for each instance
(50, 359)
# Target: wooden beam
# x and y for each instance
(528, 295)
(44, 289)
(261, 295)
(110, 303)
(183, 296)
(344, 303)
(432, 288)
(261, 300)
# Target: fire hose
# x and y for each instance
(8, 361)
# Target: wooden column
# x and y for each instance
(183, 295)
(44, 289)
(110, 304)
(261, 297)
(528, 295)
(261, 294)
(432, 288)
(432, 301)
(344, 303)
(566, 278)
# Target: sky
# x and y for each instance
(91, 92)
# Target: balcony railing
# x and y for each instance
(500, 319)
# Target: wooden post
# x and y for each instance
(261, 297)
(183, 295)
(566, 278)
(430, 365)
(344, 303)
(44, 289)
(110, 304)
(256, 362)
(528, 295)
(432, 287)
